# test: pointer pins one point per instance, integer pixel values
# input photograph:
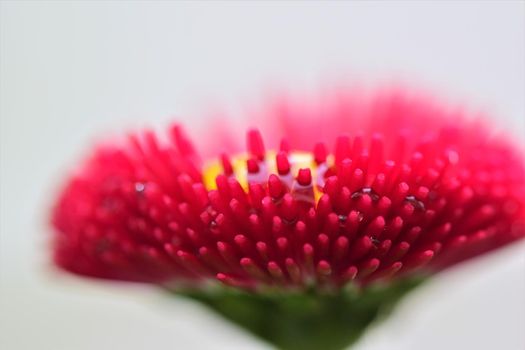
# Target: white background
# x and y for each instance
(71, 71)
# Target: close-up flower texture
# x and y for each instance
(305, 229)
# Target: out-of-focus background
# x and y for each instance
(72, 71)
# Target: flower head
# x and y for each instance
(364, 190)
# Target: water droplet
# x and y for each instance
(277, 201)
(140, 187)
(214, 227)
(416, 203)
(342, 220)
(365, 191)
(289, 222)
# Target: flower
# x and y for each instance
(367, 190)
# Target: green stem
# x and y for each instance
(307, 320)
